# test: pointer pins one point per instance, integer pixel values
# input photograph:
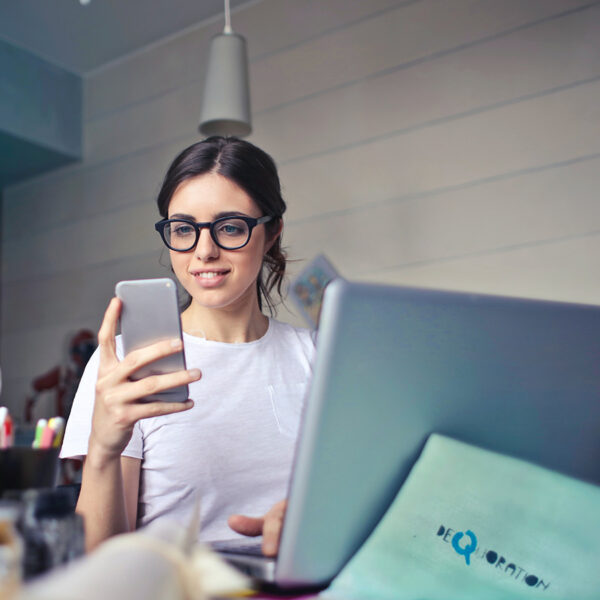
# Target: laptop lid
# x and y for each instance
(395, 364)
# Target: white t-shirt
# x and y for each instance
(234, 448)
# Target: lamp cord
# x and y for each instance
(227, 18)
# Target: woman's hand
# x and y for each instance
(269, 526)
(117, 407)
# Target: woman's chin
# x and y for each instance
(216, 298)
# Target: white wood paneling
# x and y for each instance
(501, 70)
(75, 294)
(528, 209)
(485, 75)
(525, 135)
(269, 27)
(80, 244)
(160, 120)
(97, 190)
(559, 270)
(371, 46)
(426, 142)
(412, 32)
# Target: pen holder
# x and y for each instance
(23, 468)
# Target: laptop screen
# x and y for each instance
(395, 364)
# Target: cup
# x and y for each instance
(24, 468)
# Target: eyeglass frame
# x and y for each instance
(210, 225)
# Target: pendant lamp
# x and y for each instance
(226, 104)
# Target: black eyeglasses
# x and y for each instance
(229, 233)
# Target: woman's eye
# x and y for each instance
(183, 230)
(230, 229)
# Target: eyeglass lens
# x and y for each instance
(229, 233)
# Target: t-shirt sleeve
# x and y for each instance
(135, 448)
(79, 425)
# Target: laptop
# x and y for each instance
(394, 364)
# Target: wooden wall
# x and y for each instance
(441, 143)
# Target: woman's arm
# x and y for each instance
(110, 482)
(108, 498)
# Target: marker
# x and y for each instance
(47, 437)
(58, 424)
(3, 415)
(39, 430)
(9, 431)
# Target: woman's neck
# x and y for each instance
(230, 325)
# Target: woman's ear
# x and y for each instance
(276, 233)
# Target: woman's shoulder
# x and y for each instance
(291, 333)
(283, 328)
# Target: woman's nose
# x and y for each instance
(206, 247)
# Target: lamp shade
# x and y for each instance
(226, 105)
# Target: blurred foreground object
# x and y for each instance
(11, 550)
(52, 531)
(151, 564)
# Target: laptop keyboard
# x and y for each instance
(238, 547)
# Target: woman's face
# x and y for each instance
(217, 278)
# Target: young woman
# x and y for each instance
(231, 444)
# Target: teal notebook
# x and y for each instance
(473, 524)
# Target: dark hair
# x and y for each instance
(254, 171)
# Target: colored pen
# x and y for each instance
(39, 430)
(3, 415)
(58, 424)
(47, 437)
(9, 431)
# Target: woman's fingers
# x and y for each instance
(143, 356)
(157, 409)
(272, 528)
(109, 439)
(269, 526)
(134, 360)
(250, 526)
(116, 409)
(140, 358)
(148, 386)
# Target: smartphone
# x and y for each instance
(150, 314)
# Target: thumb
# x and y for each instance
(251, 526)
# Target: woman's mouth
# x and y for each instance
(209, 278)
